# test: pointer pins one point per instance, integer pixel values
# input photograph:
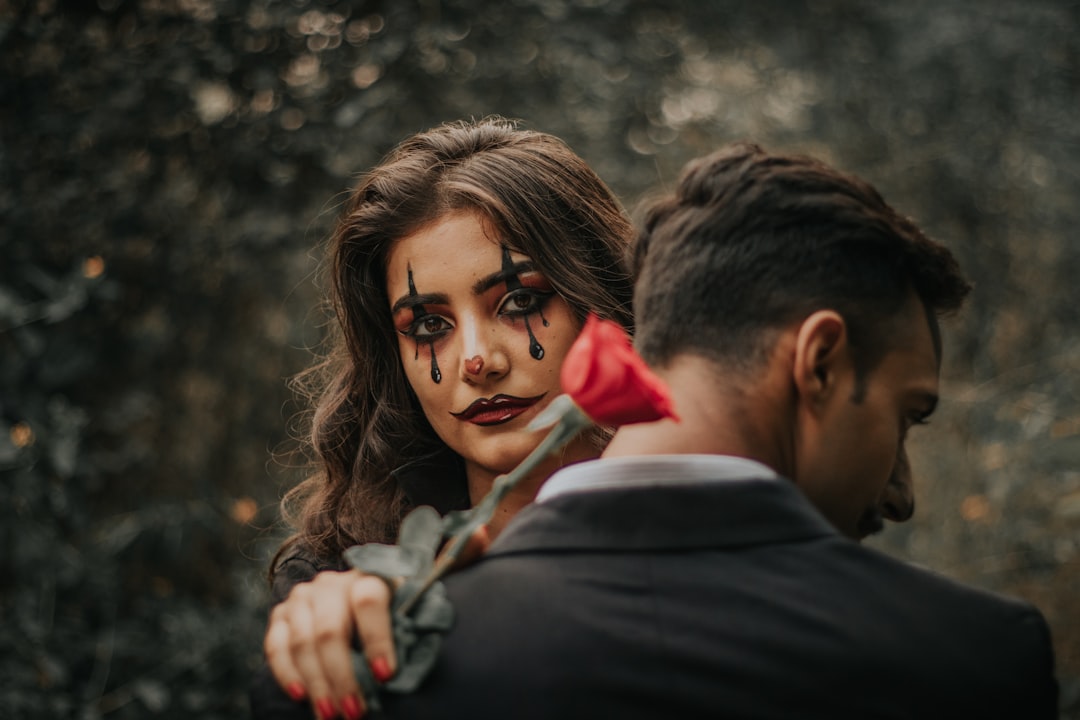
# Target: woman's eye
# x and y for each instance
(428, 327)
(523, 302)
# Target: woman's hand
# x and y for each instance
(309, 640)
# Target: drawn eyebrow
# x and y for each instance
(411, 301)
(486, 283)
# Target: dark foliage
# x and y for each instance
(168, 166)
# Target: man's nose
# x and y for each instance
(898, 499)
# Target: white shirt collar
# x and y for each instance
(651, 471)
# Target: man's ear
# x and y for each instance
(821, 356)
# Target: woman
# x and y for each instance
(462, 269)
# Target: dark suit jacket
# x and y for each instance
(732, 600)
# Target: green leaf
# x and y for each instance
(420, 657)
(422, 530)
(386, 561)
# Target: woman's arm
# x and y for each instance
(313, 631)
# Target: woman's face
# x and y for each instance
(481, 334)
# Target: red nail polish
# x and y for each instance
(350, 707)
(296, 691)
(325, 708)
(380, 668)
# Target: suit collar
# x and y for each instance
(651, 471)
(673, 517)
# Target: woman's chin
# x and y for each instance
(499, 456)
(493, 466)
(488, 457)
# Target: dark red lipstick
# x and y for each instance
(496, 410)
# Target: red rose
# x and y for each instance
(607, 379)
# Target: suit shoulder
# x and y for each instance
(876, 563)
(967, 609)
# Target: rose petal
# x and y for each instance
(609, 381)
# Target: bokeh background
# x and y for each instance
(168, 169)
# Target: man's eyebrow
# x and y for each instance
(412, 300)
(486, 283)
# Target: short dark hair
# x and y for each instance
(751, 241)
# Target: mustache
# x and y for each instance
(870, 523)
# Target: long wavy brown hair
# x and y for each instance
(366, 424)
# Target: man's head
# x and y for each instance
(761, 261)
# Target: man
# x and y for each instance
(706, 568)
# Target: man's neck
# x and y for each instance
(720, 413)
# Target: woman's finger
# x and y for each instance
(302, 647)
(334, 629)
(279, 657)
(369, 599)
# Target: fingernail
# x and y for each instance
(350, 707)
(380, 668)
(296, 691)
(325, 709)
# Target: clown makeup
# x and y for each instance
(514, 289)
(495, 332)
(520, 301)
(424, 327)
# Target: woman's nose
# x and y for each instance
(482, 359)
(474, 365)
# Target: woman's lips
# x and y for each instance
(496, 410)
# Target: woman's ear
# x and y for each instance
(821, 357)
